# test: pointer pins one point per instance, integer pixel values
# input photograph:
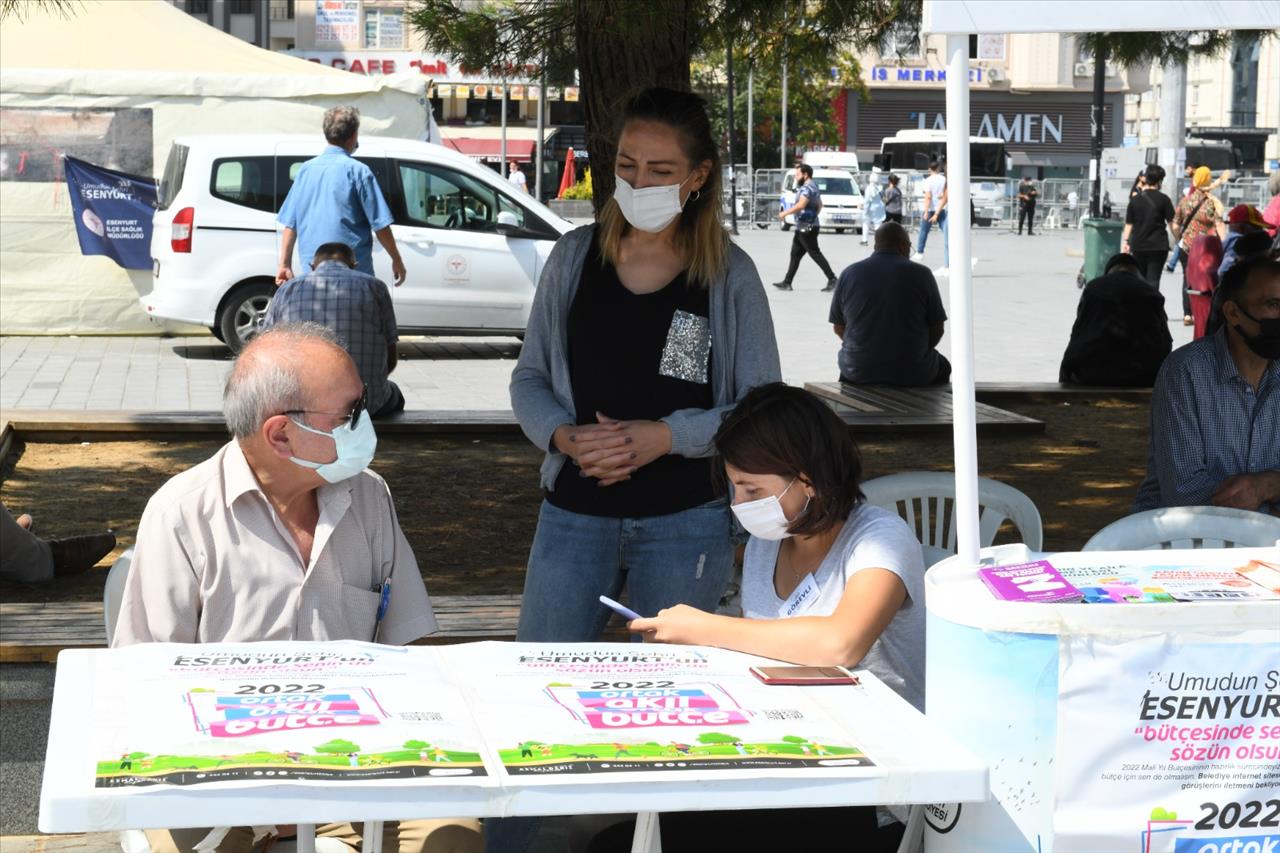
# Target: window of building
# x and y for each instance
(1195, 96)
(384, 28)
(1244, 81)
(991, 47)
(901, 41)
(489, 110)
(241, 7)
(198, 7)
(566, 112)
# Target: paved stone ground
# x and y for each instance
(1024, 290)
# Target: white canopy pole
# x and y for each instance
(964, 408)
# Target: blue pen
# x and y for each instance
(619, 609)
(382, 607)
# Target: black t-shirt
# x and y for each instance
(1029, 190)
(1149, 212)
(1121, 334)
(637, 357)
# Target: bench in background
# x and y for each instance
(877, 408)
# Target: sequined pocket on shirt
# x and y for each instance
(688, 348)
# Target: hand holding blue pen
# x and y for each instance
(382, 608)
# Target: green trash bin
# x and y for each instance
(1101, 241)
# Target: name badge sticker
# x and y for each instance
(802, 597)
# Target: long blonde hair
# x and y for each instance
(700, 236)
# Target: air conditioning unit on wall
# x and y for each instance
(1084, 69)
(995, 75)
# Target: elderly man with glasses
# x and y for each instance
(282, 535)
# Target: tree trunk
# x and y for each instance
(624, 46)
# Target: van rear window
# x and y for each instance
(171, 181)
(247, 181)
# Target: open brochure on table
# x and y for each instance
(484, 714)
(1208, 575)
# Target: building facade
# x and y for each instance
(374, 37)
(1033, 91)
(1232, 98)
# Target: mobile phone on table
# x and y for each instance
(620, 609)
(803, 676)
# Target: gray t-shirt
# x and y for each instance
(872, 537)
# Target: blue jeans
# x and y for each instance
(923, 237)
(685, 557)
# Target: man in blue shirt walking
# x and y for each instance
(335, 199)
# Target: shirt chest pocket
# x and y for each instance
(688, 348)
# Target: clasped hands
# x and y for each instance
(612, 450)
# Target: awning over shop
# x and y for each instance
(491, 149)
(485, 143)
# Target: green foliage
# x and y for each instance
(414, 744)
(582, 189)
(1134, 49)
(136, 755)
(716, 737)
(795, 739)
(337, 745)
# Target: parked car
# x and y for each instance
(473, 249)
(841, 200)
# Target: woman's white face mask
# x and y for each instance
(765, 518)
(650, 209)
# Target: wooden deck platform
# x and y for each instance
(880, 408)
(36, 632)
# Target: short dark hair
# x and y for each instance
(1153, 175)
(891, 235)
(786, 431)
(806, 169)
(893, 179)
(1121, 259)
(935, 165)
(334, 252)
(1235, 279)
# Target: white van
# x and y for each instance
(846, 160)
(841, 199)
(473, 248)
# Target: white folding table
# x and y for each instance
(920, 763)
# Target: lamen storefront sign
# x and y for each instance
(1028, 128)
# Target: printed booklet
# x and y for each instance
(1079, 577)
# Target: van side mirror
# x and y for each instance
(507, 224)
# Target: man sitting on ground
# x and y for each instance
(282, 535)
(888, 312)
(1121, 334)
(357, 307)
(1215, 410)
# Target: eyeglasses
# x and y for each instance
(352, 418)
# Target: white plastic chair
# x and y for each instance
(113, 592)
(926, 501)
(1187, 527)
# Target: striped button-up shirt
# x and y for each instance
(357, 307)
(1208, 424)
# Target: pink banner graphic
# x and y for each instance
(259, 725)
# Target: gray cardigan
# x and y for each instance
(746, 353)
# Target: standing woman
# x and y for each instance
(892, 197)
(646, 328)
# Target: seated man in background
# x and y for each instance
(26, 558)
(1121, 334)
(357, 307)
(1215, 410)
(888, 312)
(282, 535)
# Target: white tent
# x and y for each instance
(113, 83)
(958, 19)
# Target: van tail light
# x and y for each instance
(183, 228)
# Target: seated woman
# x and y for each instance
(827, 580)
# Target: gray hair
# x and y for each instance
(1273, 183)
(266, 379)
(340, 124)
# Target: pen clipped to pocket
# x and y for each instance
(383, 602)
